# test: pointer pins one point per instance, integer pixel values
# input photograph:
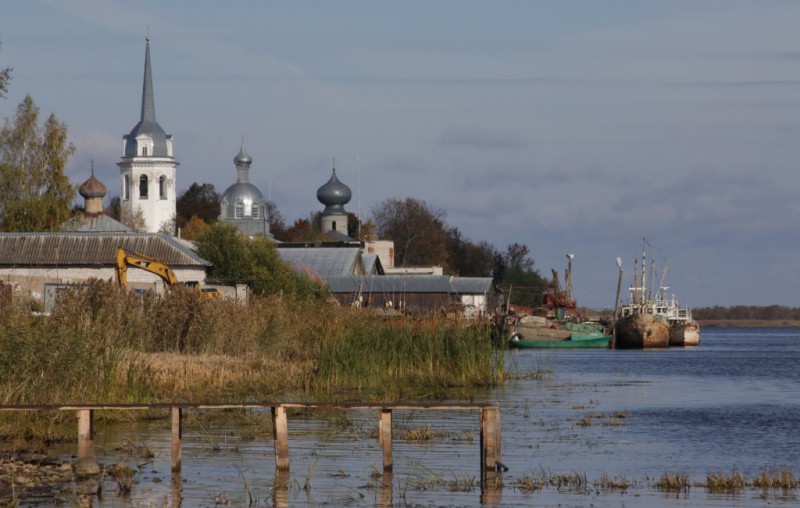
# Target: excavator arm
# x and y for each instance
(126, 258)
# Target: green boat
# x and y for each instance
(575, 340)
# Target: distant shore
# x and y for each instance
(749, 323)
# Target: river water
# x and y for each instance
(732, 404)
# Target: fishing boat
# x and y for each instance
(640, 324)
(637, 329)
(683, 329)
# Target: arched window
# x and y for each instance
(239, 211)
(162, 187)
(126, 187)
(255, 210)
(143, 187)
(223, 208)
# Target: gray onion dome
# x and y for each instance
(334, 195)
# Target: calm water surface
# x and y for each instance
(731, 404)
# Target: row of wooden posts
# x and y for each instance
(490, 439)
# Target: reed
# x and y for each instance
(533, 482)
(773, 479)
(721, 482)
(108, 345)
(424, 434)
(673, 482)
(123, 476)
(606, 482)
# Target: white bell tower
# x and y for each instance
(147, 167)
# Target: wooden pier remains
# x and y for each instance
(490, 438)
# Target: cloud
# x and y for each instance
(479, 138)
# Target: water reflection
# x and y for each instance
(731, 404)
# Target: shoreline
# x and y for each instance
(749, 323)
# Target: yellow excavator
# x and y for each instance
(126, 258)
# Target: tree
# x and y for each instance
(367, 231)
(199, 200)
(418, 231)
(238, 258)
(5, 77)
(135, 221)
(35, 195)
(469, 259)
(306, 230)
(194, 228)
(517, 270)
(277, 227)
(169, 226)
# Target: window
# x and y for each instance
(255, 210)
(126, 187)
(143, 187)
(162, 187)
(239, 211)
(333, 225)
(144, 150)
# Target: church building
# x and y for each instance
(147, 167)
(334, 195)
(242, 204)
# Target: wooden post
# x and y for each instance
(85, 433)
(280, 436)
(498, 437)
(488, 440)
(177, 435)
(385, 437)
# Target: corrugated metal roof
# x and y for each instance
(474, 285)
(372, 264)
(98, 249)
(325, 261)
(411, 284)
(99, 223)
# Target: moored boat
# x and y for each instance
(683, 330)
(641, 324)
(684, 333)
(641, 330)
(574, 340)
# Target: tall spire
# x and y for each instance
(148, 103)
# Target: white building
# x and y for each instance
(148, 167)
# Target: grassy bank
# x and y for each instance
(108, 345)
(749, 323)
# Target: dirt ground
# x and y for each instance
(31, 472)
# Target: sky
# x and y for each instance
(582, 127)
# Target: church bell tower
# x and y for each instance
(147, 167)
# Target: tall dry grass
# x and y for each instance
(109, 345)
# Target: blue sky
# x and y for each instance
(572, 127)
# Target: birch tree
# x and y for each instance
(35, 195)
(5, 77)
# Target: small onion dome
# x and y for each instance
(242, 158)
(92, 188)
(334, 195)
